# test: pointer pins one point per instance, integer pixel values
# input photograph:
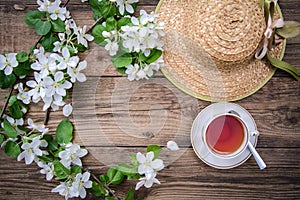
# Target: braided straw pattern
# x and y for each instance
(210, 47)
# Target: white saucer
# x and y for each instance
(202, 150)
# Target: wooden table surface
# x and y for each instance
(113, 116)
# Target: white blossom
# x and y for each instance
(37, 86)
(67, 110)
(131, 71)
(15, 123)
(58, 45)
(58, 85)
(41, 128)
(66, 59)
(56, 11)
(75, 72)
(147, 164)
(171, 145)
(48, 169)
(22, 95)
(63, 189)
(44, 5)
(112, 47)
(126, 5)
(8, 62)
(72, 154)
(147, 181)
(144, 34)
(82, 36)
(79, 185)
(45, 64)
(31, 150)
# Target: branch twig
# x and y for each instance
(7, 100)
(94, 24)
(106, 187)
(47, 115)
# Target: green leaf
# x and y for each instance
(133, 177)
(12, 100)
(6, 81)
(289, 30)
(111, 24)
(12, 149)
(134, 161)
(284, 66)
(104, 179)
(61, 171)
(123, 21)
(43, 27)
(130, 195)
(97, 33)
(15, 109)
(80, 47)
(115, 176)
(23, 69)
(121, 60)
(111, 173)
(47, 42)
(33, 18)
(1, 138)
(126, 169)
(58, 26)
(122, 70)
(22, 57)
(46, 159)
(9, 129)
(154, 55)
(52, 144)
(98, 190)
(76, 169)
(156, 150)
(109, 198)
(261, 3)
(64, 132)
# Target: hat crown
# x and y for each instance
(228, 30)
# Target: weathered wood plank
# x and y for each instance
(188, 176)
(155, 111)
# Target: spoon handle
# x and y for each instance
(257, 157)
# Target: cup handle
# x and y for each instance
(258, 159)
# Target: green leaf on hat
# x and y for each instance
(289, 30)
(284, 66)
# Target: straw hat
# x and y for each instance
(210, 47)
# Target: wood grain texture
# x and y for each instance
(115, 117)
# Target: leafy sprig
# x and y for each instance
(54, 63)
(277, 30)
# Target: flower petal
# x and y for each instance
(157, 164)
(67, 110)
(171, 145)
(140, 158)
(150, 156)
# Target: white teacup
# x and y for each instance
(226, 135)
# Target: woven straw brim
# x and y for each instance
(210, 46)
